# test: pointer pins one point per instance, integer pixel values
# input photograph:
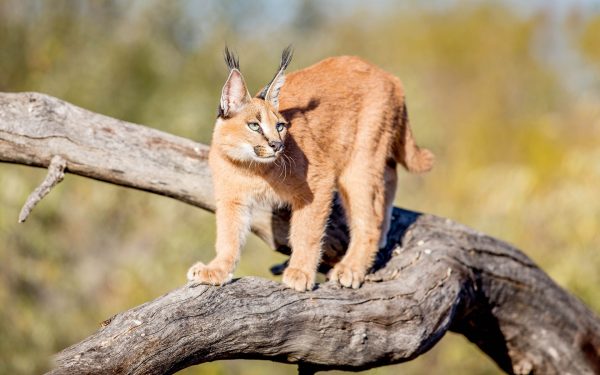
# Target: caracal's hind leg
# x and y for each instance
(363, 191)
(390, 177)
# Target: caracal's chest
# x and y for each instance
(263, 194)
(276, 189)
(283, 184)
(251, 189)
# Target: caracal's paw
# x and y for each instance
(347, 275)
(297, 279)
(211, 274)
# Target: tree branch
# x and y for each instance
(435, 276)
(35, 127)
(56, 173)
(443, 277)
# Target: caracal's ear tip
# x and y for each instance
(288, 51)
(232, 61)
(286, 57)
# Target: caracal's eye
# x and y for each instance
(254, 126)
(280, 126)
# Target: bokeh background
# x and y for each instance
(506, 93)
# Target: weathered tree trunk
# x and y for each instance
(434, 276)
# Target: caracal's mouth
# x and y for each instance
(261, 156)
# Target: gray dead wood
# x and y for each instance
(56, 173)
(435, 276)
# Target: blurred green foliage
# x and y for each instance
(506, 95)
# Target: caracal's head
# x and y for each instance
(251, 129)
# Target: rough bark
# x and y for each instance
(434, 276)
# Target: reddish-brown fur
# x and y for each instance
(346, 128)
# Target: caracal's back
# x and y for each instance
(340, 99)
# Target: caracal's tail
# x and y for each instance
(406, 152)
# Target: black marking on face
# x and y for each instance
(258, 150)
(263, 152)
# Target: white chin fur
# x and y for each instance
(264, 160)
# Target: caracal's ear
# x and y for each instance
(271, 91)
(234, 94)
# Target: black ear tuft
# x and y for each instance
(286, 57)
(232, 61)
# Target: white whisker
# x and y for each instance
(284, 169)
(291, 160)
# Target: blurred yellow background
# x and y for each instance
(506, 93)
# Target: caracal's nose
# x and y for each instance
(276, 146)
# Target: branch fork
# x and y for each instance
(56, 173)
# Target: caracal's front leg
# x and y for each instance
(367, 200)
(233, 222)
(306, 232)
